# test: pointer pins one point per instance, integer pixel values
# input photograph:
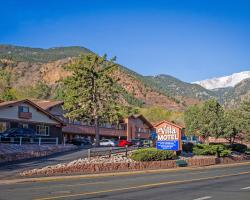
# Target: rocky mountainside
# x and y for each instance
(27, 69)
(29, 66)
(225, 81)
(233, 96)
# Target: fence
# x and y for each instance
(28, 140)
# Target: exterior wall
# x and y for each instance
(133, 126)
(12, 113)
(90, 130)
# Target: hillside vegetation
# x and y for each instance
(31, 70)
(27, 54)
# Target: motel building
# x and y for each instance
(132, 127)
(46, 118)
(27, 114)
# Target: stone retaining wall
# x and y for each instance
(89, 168)
(12, 152)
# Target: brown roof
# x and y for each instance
(47, 104)
(10, 103)
(143, 119)
(165, 121)
(7, 103)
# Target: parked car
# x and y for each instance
(81, 142)
(137, 142)
(124, 143)
(18, 132)
(108, 143)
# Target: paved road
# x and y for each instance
(12, 169)
(221, 183)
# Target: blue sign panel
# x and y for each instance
(171, 145)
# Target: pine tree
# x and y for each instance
(90, 94)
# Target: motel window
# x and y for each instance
(42, 130)
(24, 109)
(3, 126)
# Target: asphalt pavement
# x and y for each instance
(216, 182)
(11, 169)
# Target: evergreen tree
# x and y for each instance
(192, 120)
(211, 119)
(233, 125)
(6, 92)
(245, 111)
(90, 94)
(206, 120)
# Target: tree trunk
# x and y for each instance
(97, 134)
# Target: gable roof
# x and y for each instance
(47, 104)
(12, 103)
(168, 122)
(143, 119)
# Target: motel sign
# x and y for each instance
(168, 136)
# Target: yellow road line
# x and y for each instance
(140, 186)
(93, 183)
(61, 185)
(85, 176)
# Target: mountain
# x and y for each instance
(31, 66)
(224, 81)
(233, 96)
(27, 54)
(176, 88)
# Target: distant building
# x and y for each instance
(27, 114)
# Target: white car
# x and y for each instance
(107, 143)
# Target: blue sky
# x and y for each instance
(191, 40)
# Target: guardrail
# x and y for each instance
(29, 140)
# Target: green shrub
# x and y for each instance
(152, 154)
(204, 149)
(225, 153)
(241, 148)
(187, 147)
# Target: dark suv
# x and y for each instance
(19, 132)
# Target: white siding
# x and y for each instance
(37, 116)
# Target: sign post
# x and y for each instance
(168, 138)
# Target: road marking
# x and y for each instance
(140, 186)
(64, 185)
(245, 188)
(77, 177)
(93, 183)
(203, 198)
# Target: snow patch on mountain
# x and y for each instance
(225, 81)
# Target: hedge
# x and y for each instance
(152, 154)
(218, 150)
